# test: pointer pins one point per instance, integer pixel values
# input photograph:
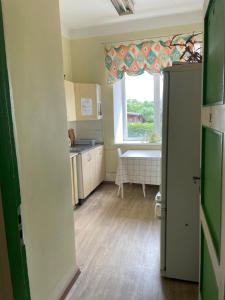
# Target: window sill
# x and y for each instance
(136, 143)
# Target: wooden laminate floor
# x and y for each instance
(118, 249)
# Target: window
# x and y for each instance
(138, 109)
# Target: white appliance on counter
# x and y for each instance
(178, 205)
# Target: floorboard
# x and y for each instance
(118, 249)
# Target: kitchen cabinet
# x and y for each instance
(70, 100)
(88, 165)
(99, 165)
(91, 170)
(88, 101)
(73, 168)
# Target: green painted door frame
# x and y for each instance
(212, 285)
(9, 184)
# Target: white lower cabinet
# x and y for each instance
(91, 171)
(88, 162)
(73, 168)
(99, 165)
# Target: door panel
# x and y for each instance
(213, 149)
(214, 54)
(5, 280)
(212, 158)
(9, 185)
(209, 288)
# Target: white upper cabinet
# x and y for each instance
(88, 101)
(83, 101)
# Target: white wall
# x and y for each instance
(34, 54)
(88, 129)
(67, 59)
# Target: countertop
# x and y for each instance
(73, 154)
(82, 148)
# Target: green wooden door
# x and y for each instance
(213, 151)
(9, 185)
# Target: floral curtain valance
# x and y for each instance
(150, 56)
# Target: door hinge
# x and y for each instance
(20, 226)
(210, 118)
(196, 179)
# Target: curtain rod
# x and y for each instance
(147, 38)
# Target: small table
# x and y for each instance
(139, 166)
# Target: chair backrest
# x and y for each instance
(119, 153)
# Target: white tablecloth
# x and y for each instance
(140, 166)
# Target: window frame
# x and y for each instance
(157, 99)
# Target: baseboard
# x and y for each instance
(70, 285)
(110, 177)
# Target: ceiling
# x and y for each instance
(78, 17)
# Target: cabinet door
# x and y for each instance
(100, 166)
(84, 92)
(99, 101)
(87, 170)
(95, 89)
(98, 93)
(74, 180)
(93, 169)
(70, 100)
(96, 172)
(94, 182)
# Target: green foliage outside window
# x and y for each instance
(146, 108)
(140, 130)
(143, 131)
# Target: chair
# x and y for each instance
(120, 189)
